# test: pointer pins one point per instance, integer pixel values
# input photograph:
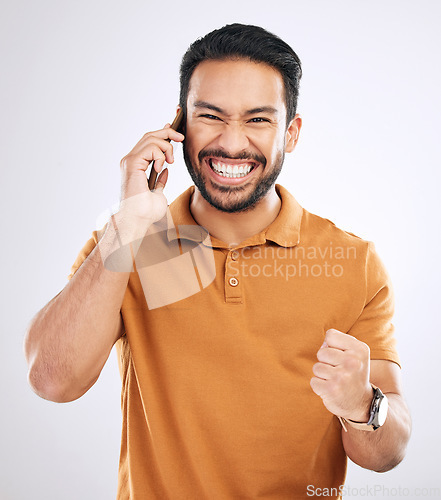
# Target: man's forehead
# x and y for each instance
(219, 83)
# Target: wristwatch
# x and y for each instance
(377, 413)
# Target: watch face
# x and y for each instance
(382, 411)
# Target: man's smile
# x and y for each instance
(230, 168)
(229, 171)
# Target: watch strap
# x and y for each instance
(367, 426)
(358, 425)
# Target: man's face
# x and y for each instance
(236, 132)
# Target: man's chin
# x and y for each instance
(234, 200)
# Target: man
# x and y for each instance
(261, 382)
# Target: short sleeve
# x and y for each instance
(85, 251)
(374, 325)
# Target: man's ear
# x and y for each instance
(292, 133)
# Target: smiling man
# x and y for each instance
(255, 339)
(257, 135)
(236, 112)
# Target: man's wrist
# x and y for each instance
(129, 227)
(377, 413)
(364, 412)
(121, 241)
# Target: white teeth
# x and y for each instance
(231, 170)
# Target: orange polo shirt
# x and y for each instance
(218, 352)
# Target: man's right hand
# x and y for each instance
(138, 204)
(64, 359)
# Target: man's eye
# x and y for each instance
(258, 120)
(210, 117)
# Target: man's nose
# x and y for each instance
(233, 138)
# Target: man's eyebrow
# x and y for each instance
(261, 109)
(207, 105)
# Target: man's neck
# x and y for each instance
(234, 228)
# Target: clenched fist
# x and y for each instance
(342, 376)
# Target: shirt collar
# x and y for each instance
(284, 230)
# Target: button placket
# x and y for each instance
(233, 289)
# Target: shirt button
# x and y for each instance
(233, 281)
(234, 254)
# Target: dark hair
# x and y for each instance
(242, 41)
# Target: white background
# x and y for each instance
(83, 81)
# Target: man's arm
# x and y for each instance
(343, 378)
(70, 339)
(383, 449)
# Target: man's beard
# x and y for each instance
(224, 203)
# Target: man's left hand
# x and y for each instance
(342, 376)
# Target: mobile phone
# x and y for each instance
(176, 125)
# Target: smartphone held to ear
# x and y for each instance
(176, 125)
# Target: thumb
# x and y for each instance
(162, 180)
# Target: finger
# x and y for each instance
(338, 340)
(331, 356)
(148, 150)
(148, 141)
(158, 164)
(167, 149)
(162, 180)
(136, 162)
(156, 156)
(346, 342)
(155, 153)
(163, 136)
(165, 133)
(323, 371)
(318, 386)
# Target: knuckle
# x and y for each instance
(330, 335)
(123, 162)
(314, 383)
(334, 389)
(316, 368)
(352, 364)
(337, 378)
(168, 148)
(158, 155)
(323, 355)
(366, 349)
